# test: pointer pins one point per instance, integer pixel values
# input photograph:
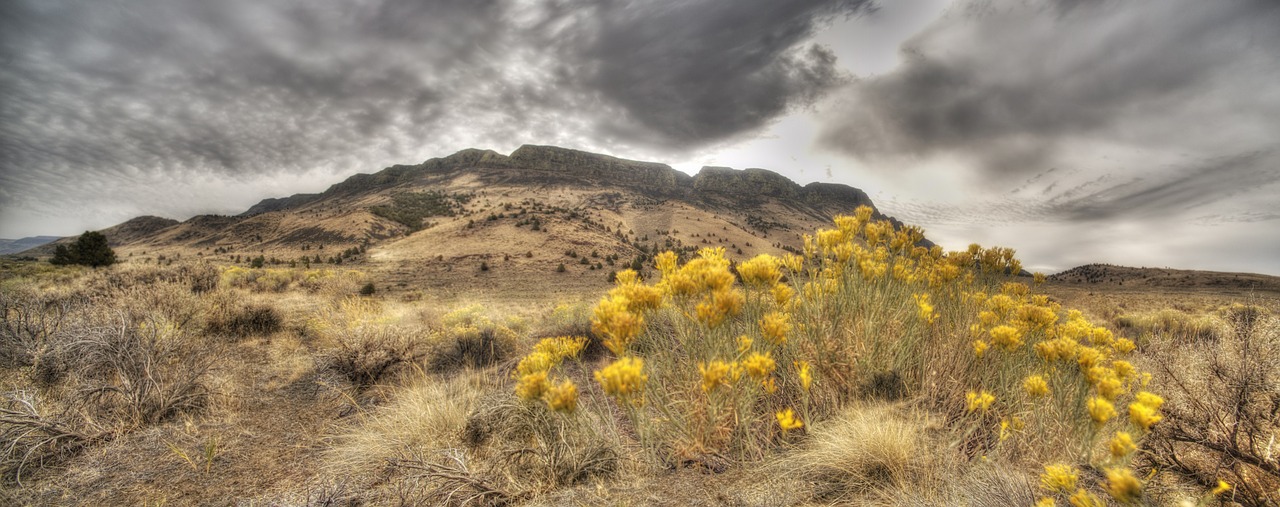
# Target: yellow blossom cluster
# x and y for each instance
(787, 420)
(533, 373)
(625, 379)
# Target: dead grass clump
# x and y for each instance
(1223, 415)
(981, 485)
(245, 320)
(515, 450)
(1170, 323)
(424, 417)
(863, 450)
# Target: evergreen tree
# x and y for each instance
(91, 249)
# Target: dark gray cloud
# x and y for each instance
(1124, 131)
(105, 96)
(686, 73)
(1013, 85)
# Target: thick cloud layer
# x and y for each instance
(1142, 115)
(108, 97)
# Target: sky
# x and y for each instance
(1133, 132)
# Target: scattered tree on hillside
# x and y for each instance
(90, 250)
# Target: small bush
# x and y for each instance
(245, 321)
(371, 356)
(473, 347)
(368, 289)
(137, 368)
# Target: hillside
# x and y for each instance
(495, 220)
(1165, 279)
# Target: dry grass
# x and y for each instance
(865, 450)
(125, 389)
(426, 416)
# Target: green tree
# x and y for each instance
(91, 249)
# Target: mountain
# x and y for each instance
(495, 219)
(12, 246)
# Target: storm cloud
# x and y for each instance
(107, 96)
(1142, 116)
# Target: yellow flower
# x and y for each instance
(1059, 478)
(1088, 357)
(775, 326)
(761, 270)
(1223, 487)
(1123, 345)
(561, 347)
(1121, 445)
(638, 297)
(721, 304)
(1035, 386)
(979, 347)
(713, 374)
(744, 344)
(1038, 278)
(979, 400)
(1145, 411)
(1106, 381)
(794, 263)
(1006, 336)
(1123, 486)
(1083, 498)
(759, 365)
(531, 386)
(782, 294)
(617, 323)
(1046, 502)
(562, 398)
(788, 421)
(1100, 410)
(534, 363)
(926, 310)
(624, 378)
(666, 262)
(1123, 369)
(805, 379)
(626, 277)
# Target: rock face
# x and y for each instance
(599, 169)
(554, 165)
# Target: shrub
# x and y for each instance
(471, 339)
(709, 364)
(371, 356)
(368, 289)
(1224, 398)
(363, 345)
(30, 322)
(243, 321)
(137, 368)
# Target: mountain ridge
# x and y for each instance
(434, 224)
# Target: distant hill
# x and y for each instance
(1140, 278)
(12, 246)
(431, 226)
